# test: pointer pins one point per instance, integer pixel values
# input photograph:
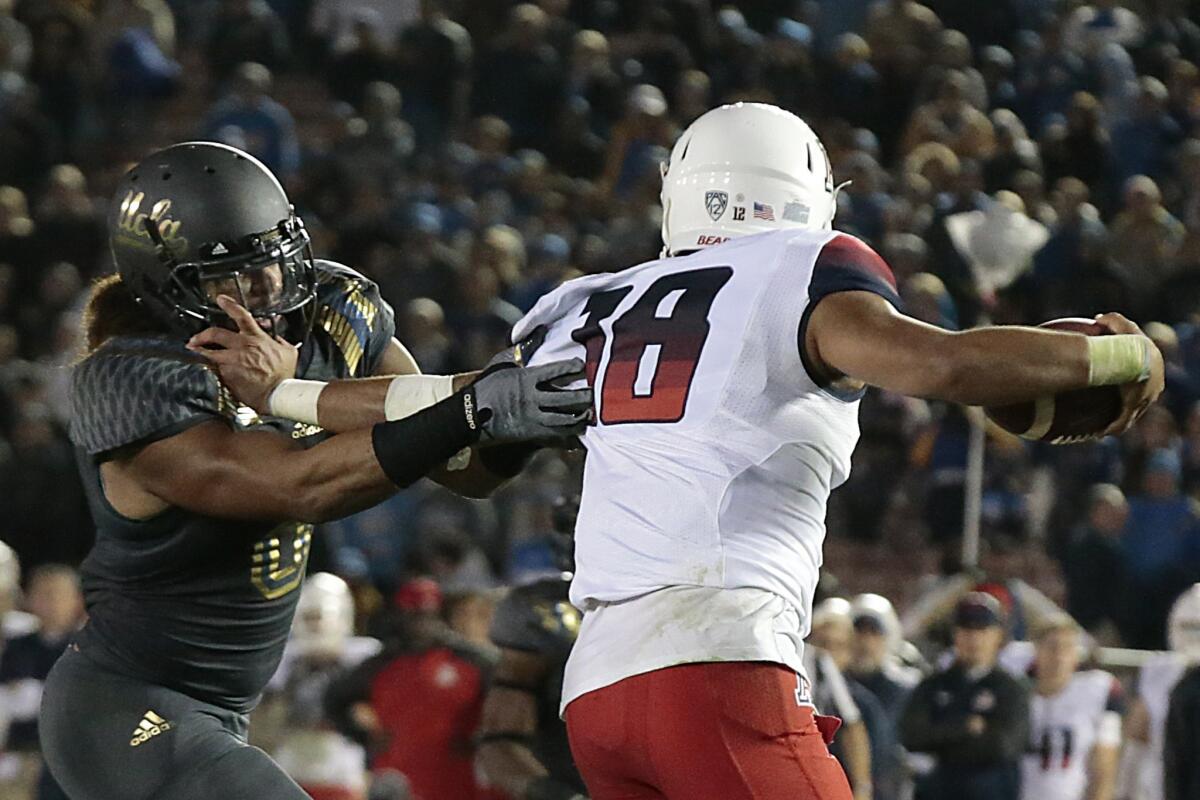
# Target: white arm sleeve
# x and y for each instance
(408, 394)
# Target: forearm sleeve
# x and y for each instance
(409, 448)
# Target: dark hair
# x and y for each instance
(112, 310)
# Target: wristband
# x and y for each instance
(1119, 359)
(408, 394)
(296, 400)
(407, 449)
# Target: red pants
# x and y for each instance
(722, 731)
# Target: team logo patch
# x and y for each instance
(716, 203)
(151, 725)
(984, 701)
(133, 219)
(796, 212)
(803, 691)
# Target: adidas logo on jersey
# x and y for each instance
(150, 726)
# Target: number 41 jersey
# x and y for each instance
(713, 450)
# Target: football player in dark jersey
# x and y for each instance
(523, 746)
(205, 508)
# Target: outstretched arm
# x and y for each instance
(213, 469)
(859, 335)
(257, 368)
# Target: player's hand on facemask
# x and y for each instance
(250, 361)
(526, 405)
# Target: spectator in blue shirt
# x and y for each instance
(1160, 545)
(1141, 143)
(268, 128)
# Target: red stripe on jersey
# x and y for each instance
(846, 251)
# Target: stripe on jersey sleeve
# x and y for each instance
(845, 264)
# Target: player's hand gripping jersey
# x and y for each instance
(195, 603)
(714, 450)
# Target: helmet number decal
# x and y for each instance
(278, 560)
(656, 345)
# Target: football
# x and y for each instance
(1079, 415)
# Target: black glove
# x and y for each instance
(546, 788)
(521, 405)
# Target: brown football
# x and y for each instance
(1079, 415)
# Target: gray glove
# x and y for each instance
(521, 405)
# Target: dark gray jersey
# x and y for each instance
(195, 603)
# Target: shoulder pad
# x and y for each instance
(351, 312)
(135, 390)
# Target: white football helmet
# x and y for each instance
(324, 616)
(1183, 624)
(741, 169)
(831, 609)
(879, 607)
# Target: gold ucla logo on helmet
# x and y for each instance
(131, 222)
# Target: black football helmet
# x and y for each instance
(200, 219)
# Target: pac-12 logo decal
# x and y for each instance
(716, 203)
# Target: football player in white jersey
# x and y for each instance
(322, 645)
(1075, 721)
(1142, 764)
(727, 376)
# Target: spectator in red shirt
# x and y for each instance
(416, 706)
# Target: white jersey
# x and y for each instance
(714, 451)
(1064, 729)
(324, 763)
(1156, 679)
(350, 653)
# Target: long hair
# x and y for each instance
(112, 310)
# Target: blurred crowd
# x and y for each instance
(453, 695)
(1014, 161)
